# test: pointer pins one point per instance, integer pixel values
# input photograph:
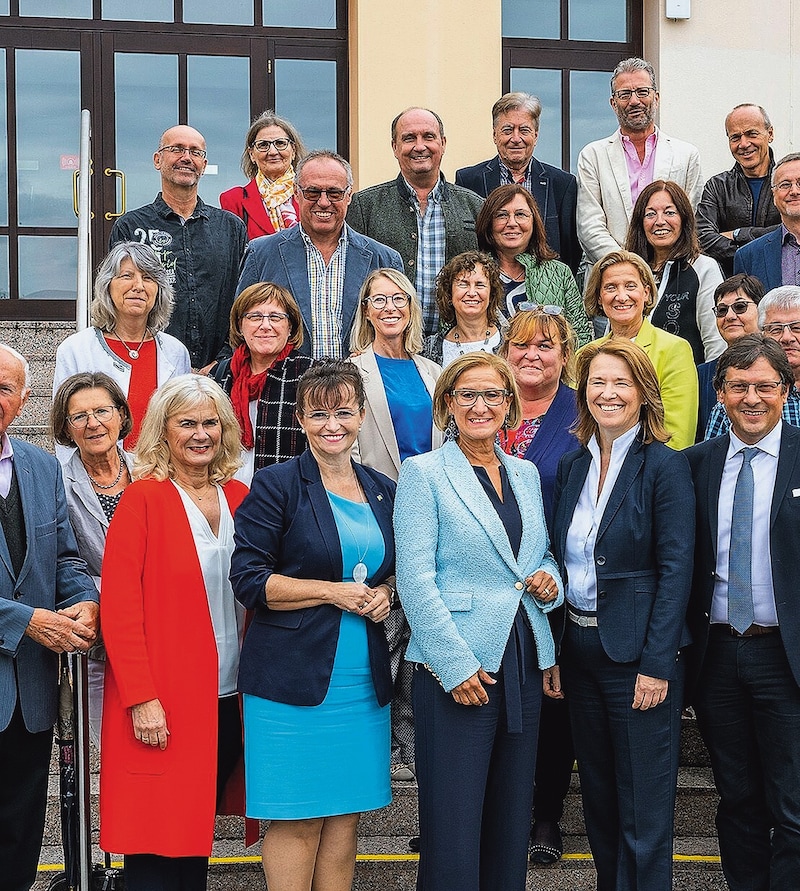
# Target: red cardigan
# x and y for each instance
(160, 642)
(247, 204)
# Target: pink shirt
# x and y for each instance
(640, 173)
(6, 465)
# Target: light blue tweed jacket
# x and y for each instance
(457, 576)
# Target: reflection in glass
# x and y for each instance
(62, 9)
(532, 18)
(546, 85)
(305, 94)
(3, 143)
(48, 267)
(591, 115)
(598, 20)
(48, 133)
(5, 7)
(4, 293)
(141, 11)
(213, 12)
(291, 14)
(219, 107)
(146, 90)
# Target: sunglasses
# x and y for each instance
(740, 307)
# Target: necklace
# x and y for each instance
(457, 339)
(116, 481)
(132, 352)
(514, 278)
(359, 572)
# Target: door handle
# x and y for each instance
(109, 215)
(75, 175)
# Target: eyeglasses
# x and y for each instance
(740, 307)
(650, 215)
(378, 301)
(313, 194)
(263, 145)
(776, 329)
(181, 150)
(549, 309)
(343, 415)
(467, 398)
(102, 415)
(786, 184)
(762, 388)
(641, 93)
(274, 318)
(520, 216)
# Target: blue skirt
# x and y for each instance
(319, 761)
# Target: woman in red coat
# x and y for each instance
(171, 731)
(266, 204)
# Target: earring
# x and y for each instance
(451, 431)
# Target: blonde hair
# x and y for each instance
(362, 333)
(528, 323)
(153, 458)
(449, 377)
(591, 300)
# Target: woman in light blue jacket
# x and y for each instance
(475, 575)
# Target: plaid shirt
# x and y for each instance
(326, 284)
(507, 177)
(277, 435)
(718, 423)
(430, 252)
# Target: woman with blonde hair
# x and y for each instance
(171, 731)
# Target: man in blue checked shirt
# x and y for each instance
(779, 318)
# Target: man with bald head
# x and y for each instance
(737, 205)
(422, 216)
(201, 246)
(48, 605)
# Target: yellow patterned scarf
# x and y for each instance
(274, 194)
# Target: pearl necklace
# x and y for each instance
(116, 481)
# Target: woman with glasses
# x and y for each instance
(398, 383)
(266, 204)
(663, 232)
(131, 308)
(89, 416)
(510, 228)
(314, 560)
(261, 376)
(475, 577)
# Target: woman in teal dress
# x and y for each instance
(314, 560)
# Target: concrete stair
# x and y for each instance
(385, 863)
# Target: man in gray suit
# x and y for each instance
(48, 605)
(424, 217)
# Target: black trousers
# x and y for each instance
(24, 767)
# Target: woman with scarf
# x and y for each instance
(262, 375)
(266, 204)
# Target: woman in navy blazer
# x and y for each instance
(539, 346)
(475, 576)
(314, 559)
(623, 535)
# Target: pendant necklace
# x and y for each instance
(457, 339)
(359, 572)
(133, 352)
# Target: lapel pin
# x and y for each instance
(380, 497)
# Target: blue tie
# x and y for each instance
(740, 584)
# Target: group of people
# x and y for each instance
(368, 490)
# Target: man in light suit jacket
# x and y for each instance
(612, 171)
(775, 257)
(744, 616)
(515, 131)
(48, 605)
(322, 261)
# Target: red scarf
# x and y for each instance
(248, 386)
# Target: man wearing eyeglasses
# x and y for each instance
(425, 218)
(612, 171)
(778, 318)
(743, 673)
(775, 257)
(737, 204)
(322, 261)
(201, 246)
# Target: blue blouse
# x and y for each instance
(410, 405)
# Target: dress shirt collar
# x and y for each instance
(619, 447)
(343, 239)
(435, 195)
(6, 465)
(771, 443)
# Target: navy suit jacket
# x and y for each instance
(286, 525)
(281, 258)
(762, 258)
(707, 461)
(555, 192)
(642, 556)
(52, 577)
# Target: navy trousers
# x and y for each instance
(628, 764)
(748, 712)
